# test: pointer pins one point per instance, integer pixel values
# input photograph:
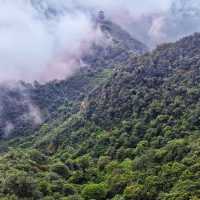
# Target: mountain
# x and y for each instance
(153, 72)
(134, 136)
(25, 106)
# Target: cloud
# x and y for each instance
(36, 47)
(25, 43)
(17, 109)
(181, 19)
(33, 113)
(9, 127)
(134, 6)
(155, 21)
(45, 39)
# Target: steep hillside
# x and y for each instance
(134, 137)
(165, 71)
(21, 102)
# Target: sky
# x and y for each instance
(45, 39)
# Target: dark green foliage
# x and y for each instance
(20, 184)
(135, 192)
(134, 137)
(61, 169)
(94, 191)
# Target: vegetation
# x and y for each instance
(135, 136)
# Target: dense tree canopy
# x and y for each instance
(135, 136)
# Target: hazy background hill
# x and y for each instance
(134, 136)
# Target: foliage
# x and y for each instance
(137, 137)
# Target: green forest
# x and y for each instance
(131, 133)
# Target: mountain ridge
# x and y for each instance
(48, 97)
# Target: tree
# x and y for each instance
(61, 169)
(20, 184)
(94, 191)
(134, 192)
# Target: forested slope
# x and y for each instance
(135, 136)
(20, 103)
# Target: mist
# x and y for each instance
(175, 19)
(45, 39)
(36, 47)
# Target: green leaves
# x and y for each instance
(61, 169)
(134, 192)
(94, 191)
(20, 184)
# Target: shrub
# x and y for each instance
(61, 170)
(134, 192)
(94, 191)
(20, 184)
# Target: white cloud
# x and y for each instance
(31, 46)
(45, 39)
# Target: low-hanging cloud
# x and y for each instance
(33, 46)
(152, 21)
(45, 39)
(17, 109)
(174, 19)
